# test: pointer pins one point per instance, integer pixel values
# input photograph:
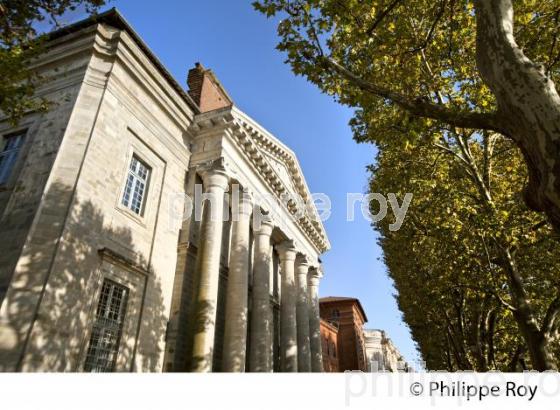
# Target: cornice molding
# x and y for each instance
(117, 259)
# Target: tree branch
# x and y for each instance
(420, 107)
(450, 151)
(379, 18)
(426, 42)
(478, 179)
(491, 292)
(550, 317)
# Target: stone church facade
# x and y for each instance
(104, 267)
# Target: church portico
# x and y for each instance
(273, 252)
(256, 279)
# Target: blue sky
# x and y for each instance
(239, 45)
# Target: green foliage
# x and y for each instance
(446, 260)
(421, 48)
(472, 265)
(20, 43)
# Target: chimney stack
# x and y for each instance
(205, 89)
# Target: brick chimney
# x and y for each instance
(206, 90)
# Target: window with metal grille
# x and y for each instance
(9, 154)
(106, 333)
(136, 186)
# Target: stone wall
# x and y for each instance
(122, 107)
(35, 201)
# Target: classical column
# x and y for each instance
(235, 332)
(314, 276)
(288, 329)
(302, 313)
(215, 183)
(261, 316)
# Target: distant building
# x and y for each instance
(348, 317)
(381, 353)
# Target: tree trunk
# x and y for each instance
(516, 358)
(528, 103)
(535, 338)
(491, 328)
(475, 338)
(537, 343)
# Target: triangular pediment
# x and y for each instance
(281, 169)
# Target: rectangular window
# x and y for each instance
(136, 186)
(107, 328)
(9, 154)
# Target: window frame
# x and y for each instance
(135, 144)
(120, 269)
(13, 171)
(103, 324)
(134, 156)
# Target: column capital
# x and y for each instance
(287, 250)
(302, 264)
(245, 195)
(315, 275)
(266, 225)
(316, 272)
(215, 175)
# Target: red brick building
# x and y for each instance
(347, 316)
(329, 346)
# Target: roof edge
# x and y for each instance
(338, 299)
(115, 19)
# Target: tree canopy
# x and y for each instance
(475, 269)
(454, 63)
